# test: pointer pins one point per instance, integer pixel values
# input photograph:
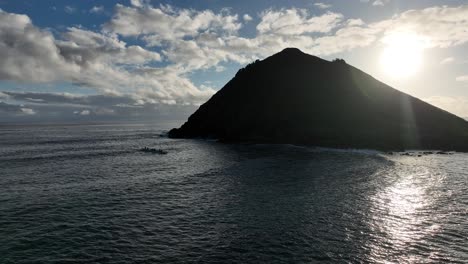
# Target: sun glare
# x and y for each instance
(403, 54)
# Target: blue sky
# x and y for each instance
(111, 60)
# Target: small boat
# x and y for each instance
(153, 150)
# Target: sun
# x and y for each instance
(403, 54)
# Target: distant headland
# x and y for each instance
(293, 97)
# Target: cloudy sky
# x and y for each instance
(150, 60)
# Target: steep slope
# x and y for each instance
(293, 97)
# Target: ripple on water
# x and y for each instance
(83, 194)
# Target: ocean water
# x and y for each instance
(86, 194)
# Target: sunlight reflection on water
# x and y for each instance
(87, 194)
(403, 212)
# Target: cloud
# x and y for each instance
(70, 9)
(102, 104)
(377, 2)
(68, 107)
(435, 27)
(96, 9)
(15, 110)
(380, 2)
(178, 42)
(34, 100)
(247, 18)
(84, 47)
(27, 111)
(91, 59)
(83, 112)
(463, 78)
(322, 5)
(296, 22)
(355, 22)
(139, 3)
(442, 26)
(447, 60)
(345, 39)
(277, 30)
(167, 23)
(105, 100)
(3, 96)
(29, 53)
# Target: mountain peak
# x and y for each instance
(294, 97)
(292, 50)
(296, 56)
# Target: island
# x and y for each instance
(296, 98)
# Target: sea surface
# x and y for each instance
(86, 194)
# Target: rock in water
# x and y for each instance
(293, 97)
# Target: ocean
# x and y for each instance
(87, 194)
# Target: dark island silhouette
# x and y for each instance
(296, 98)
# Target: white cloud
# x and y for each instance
(3, 96)
(463, 78)
(322, 5)
(376, 2)
(88, 58)
(70, 9)
(13, 110)
(84, 112)
(345, 39)
(207, 44)
(447, 60)
(139, 3)
(66, 107)
(33, 99)
(169, 24)
(355, 22)
(83, 47)
(27, 111)
(247, 18)
(29, 53)
(296, 22)
(96, 9)
(380, 2)
(220, 68)
(443, 26)
(188, 40)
